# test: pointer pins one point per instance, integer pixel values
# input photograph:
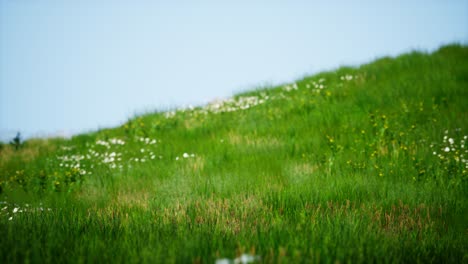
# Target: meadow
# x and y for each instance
(360, 164)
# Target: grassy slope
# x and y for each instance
(309, 174)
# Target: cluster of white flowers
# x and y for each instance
(316, 86)
(146, 156)
(116, 141)
(169, 114)
(111, 159)
(11, 210)
(242, 259)
(103, 143)
(247, 102)
(147, 141)
(72, 158)
(232, 105)
(92, 153)
(186, 156)
(223, 106)
(110, 156)
(73, 161)
(347, 77)
(452, 148)
(112, 141)
(290, 87)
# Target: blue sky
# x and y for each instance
(74, 66)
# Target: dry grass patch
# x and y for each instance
(136, 198)
(27, 153)
(229, 216)
(402, 218)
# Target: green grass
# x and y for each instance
(363, 164)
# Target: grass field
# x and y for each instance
(365, 164)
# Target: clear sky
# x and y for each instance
(74, 66)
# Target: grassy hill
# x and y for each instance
(365, 164)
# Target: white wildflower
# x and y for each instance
(170, 114)
(108, 160)
(223, 261)
(246, 258)
(116, 141)
(103, 143)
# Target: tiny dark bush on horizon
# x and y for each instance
(16, 141)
